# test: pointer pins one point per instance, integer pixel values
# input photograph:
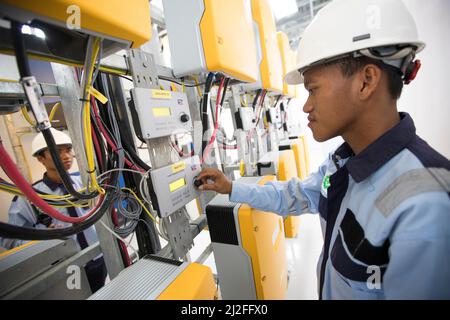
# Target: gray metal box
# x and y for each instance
(161, 113)
(174, 184)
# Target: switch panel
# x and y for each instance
(161, 113)
(174, 185)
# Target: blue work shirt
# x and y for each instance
(385, 217)
(21, 213)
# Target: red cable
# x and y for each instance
(13, 173)
(97, 147)
(216, 124)
(108, 138)
(121, 243)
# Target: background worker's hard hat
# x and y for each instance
(38, 144)
(382, 29)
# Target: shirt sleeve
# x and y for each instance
(292, 197)
(419, 259)
(20, 214)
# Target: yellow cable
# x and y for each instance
(140, 202)
(197, 86)
(53, 112)
(87, 117)
(27, 116)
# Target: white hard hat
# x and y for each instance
(380, 29)
(38, 144)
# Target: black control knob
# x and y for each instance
(197, 183)
(184, 118)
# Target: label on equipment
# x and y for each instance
(178, 166)
(161, 94)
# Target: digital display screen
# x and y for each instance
(161, 112)
(177, 184)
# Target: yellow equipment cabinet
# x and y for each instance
(249, 248)
(120, 24)
(271, 71)
(306, 154)
(211, 35)
(287, 59)
(157, 278)
(287, 169)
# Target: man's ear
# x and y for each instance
(369, 77)
(40, 157)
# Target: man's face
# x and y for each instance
(330, 106)
(65, 153)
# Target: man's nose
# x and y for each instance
(308, 106)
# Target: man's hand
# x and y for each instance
(220, 183)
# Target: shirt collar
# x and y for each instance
(380, 151)
(50, 183)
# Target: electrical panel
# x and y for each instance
(211, 35)
(120, 24)
(288, 61)
(161, 113)
(270, 67)
(247, 117)
(174, 185)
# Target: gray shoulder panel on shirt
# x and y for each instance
(410, 184)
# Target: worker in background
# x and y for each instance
(383, 195)
(23, 213)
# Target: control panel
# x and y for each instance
(247, 117)
(174, 185)
(161, 113)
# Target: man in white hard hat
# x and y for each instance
(382, 196)
(23, 213)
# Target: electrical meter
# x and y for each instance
(161, 113)
(174, 185)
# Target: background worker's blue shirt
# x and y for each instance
(385, 217)
(21, 213)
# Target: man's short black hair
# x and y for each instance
(350, 65)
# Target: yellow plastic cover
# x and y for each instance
(196, 282)
(287, 59)
(287, 168)
(288, 165)
(270, 68)
(228, 39)
(118, 19)
(263, 239)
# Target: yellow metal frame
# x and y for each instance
(268, 259)
(13, 250)
(270, 68)
(196, 282)
(114, 19)
(228, 39)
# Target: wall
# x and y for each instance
(427, 98)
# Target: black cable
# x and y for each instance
(24, 70)
(19, 48)
(67, 181)
(165, 79)
(129, 148)
(15, 232)
(179, 83)
(204, 111)
(224, 92)
(255, 100)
